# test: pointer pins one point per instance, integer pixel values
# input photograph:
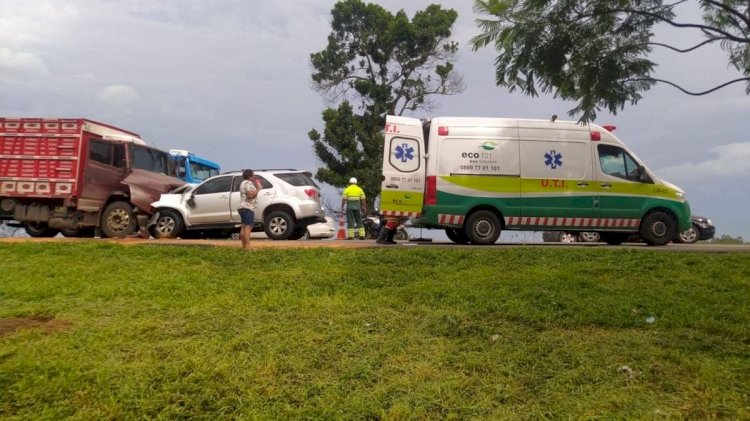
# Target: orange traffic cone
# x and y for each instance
(341, 234)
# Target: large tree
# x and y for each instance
(383, 63)
(595, 52)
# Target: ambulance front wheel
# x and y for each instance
(483, 227)
(658, 228)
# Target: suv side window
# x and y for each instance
(296, 179)
(216, 185)
(264, 184)
(617, 163)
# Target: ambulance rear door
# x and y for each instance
(402, 189)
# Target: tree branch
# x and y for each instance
(725, 34)
(744, 79)
(710, 40)
(729, 10)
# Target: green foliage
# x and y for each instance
(727, 239)
(595, 52)
(169, 332)
(386, 64)
(347, 147)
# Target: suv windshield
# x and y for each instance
(148, 159)
(296, 179)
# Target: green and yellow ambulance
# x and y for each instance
(474, 177)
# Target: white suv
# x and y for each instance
(289, 201)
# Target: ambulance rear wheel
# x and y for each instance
(483, 227)
(658, 229)
(458, 236)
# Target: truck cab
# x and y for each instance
(191, 168)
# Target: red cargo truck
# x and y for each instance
(78, 177)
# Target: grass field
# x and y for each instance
(100, 331)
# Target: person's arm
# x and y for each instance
(251, 193)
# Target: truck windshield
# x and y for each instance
(149, 159)
(202, 172)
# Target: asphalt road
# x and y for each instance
(266, 243)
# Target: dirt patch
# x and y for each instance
(46, 324)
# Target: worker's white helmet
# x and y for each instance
(352, 180)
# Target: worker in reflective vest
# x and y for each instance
(354, 204)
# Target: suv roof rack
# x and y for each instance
(264, 169)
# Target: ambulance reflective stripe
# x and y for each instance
(401, 214)
(571, 222)
(451, 219)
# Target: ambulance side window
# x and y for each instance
(616, 162)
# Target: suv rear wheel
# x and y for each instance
(279, 225)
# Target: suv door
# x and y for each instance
(210, 202)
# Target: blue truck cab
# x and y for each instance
(191, 168)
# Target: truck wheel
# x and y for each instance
(458, 236)
(70, 233)
(279, 225)
(689, 236)
(483, 227)
(614, 238)
(168, 225)
(40, 230)
(658, 229)
(118, 220)
(568, 237)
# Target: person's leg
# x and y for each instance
(350, 223)
(246, 216)
(243, 236)
(360, 231)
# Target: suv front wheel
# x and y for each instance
(279, 225)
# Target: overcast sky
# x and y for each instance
(230, 80)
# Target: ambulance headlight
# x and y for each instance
(681, 195)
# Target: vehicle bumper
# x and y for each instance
(706, 233)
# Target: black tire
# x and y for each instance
(658, 229)
(458, 236)
(70, 232)
(169, 224)
(39, 230)
(298, 234)
(483, 227)
(279, 225)
(614, 238)
(689, 236)
(118, 220)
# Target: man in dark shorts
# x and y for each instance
(248, 194)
